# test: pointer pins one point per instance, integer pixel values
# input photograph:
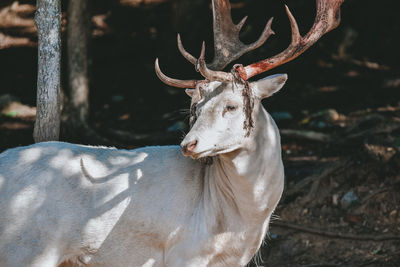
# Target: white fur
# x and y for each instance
(146, 207)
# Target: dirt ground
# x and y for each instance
(339, 113)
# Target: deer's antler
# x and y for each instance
(211, 75)
(227, 45)
(327, 19)
(174, 82)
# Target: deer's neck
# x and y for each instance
(247, 184)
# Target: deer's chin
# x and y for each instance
(212, 152)
(196, 156)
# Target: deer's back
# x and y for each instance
(83, 198)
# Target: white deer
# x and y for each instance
(94, 206)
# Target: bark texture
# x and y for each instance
(78, 31)
(48, 22)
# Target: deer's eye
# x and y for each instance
(231, 107)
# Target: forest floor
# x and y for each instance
(339, 117)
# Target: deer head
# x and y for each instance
(223, 104)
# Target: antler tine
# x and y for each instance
(210, 74)
(227, 45)
(184, 53)
(174, 82)
(327, 19)
(296, 36)
(263, 38)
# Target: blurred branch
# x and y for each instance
(379, 259)
(350, 36)
(18, 16)
(306, 181)
(7, 41)
(307, 135)
(376, 238)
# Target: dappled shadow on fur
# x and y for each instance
(41, 196)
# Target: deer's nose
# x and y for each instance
(188, 149)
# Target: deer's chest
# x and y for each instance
(224, 249)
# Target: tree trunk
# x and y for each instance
(48, 22)
(78, 32)
(76, 109)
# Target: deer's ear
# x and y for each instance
(189, 92)
(268, 86)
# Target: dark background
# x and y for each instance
(353, 71)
